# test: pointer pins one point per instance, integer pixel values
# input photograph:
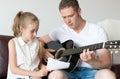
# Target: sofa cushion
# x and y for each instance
(4, 54)
(111, 26)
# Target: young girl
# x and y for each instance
(25, 50)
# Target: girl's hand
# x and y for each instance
(48, 53)
(42, 72)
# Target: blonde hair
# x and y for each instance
(21, 20)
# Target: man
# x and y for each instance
(94, 64)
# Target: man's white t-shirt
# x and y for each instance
(90, 34)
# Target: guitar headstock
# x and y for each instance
(115, 44)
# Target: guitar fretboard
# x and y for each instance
(80, 49)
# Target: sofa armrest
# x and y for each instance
(4, 54)
(116, 69)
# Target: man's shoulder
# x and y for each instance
(93, 25)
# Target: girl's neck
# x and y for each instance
(25, 40)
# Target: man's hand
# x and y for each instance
(87, 56)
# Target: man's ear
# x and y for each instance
(79, 11)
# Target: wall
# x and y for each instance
(48, 13)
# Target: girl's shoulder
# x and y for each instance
(11, 42)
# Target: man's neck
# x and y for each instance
(81, 26)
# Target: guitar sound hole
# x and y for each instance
(59, 53)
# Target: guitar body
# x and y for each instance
(73, 60)
(58, 47)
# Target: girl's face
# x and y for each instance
(30, 31)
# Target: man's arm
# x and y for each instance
(45, 39)
(103, 59)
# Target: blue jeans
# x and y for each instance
(82, 73)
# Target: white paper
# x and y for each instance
(54, 64)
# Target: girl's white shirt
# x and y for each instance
(27, 56)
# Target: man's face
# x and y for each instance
(70, 17)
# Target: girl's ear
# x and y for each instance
(21, 29)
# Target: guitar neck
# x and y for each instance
(80, 49)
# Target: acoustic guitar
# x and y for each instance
(67, 52)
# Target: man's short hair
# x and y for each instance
(69, 3)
